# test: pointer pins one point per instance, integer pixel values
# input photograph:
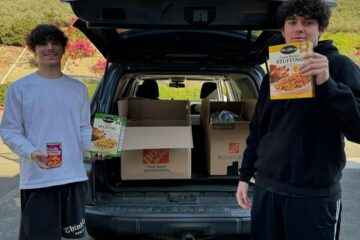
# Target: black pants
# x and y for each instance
(279, 217)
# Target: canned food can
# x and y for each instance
(54, 151)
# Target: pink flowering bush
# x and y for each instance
(78, 48)
(78, 45)
(99, 67)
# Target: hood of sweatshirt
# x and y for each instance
(326, 47)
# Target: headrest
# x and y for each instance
(148, 89)
(207, 88)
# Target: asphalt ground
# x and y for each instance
(10, 194)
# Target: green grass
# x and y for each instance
(189, 92)
(165, 93)
(347, 43)
(91, 88)
(345, 17)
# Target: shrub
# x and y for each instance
(18, 17)
(99, 67)
(14, 33)
(78, 48)
(3, 90)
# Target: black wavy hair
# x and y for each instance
(316, 9)
(45, 32)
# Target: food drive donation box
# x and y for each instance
(157, 139)
(225, 141)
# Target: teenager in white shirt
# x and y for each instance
(49, 107)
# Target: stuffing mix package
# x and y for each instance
(108, 134)
(285, 80)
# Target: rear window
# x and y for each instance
(179, 90)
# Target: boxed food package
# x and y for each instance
(285, 80)
(157, 140)
(226, 127)
(107, 135)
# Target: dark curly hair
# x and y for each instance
(316, 9)
(45, 32)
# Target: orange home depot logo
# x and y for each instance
(234, 147)
(155, 156)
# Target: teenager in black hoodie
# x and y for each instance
(295, 149)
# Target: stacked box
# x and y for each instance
(225, 142)
(157, 140)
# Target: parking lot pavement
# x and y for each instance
(351, 205)
(9, 194)
(9, 212)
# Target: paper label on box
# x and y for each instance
(108, 133)
(150, 168)
(285, 80)
(156, 156)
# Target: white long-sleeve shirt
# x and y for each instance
(39, 111)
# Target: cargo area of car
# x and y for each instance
(195, 208)
(200, 176)
(166, 206)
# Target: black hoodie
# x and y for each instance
(297, 146)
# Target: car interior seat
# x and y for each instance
(148, 89)
(207, 89)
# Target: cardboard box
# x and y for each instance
(157, 140)
(285, 80)
(107, 135)
(225, 142)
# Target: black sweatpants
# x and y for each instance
(279, 217)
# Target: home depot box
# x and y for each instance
(285, 80)
(225, 142)
(157, 140)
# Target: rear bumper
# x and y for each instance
(171, 225)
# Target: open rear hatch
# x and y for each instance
(171, 45)
(101, 21)
(234, 14)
